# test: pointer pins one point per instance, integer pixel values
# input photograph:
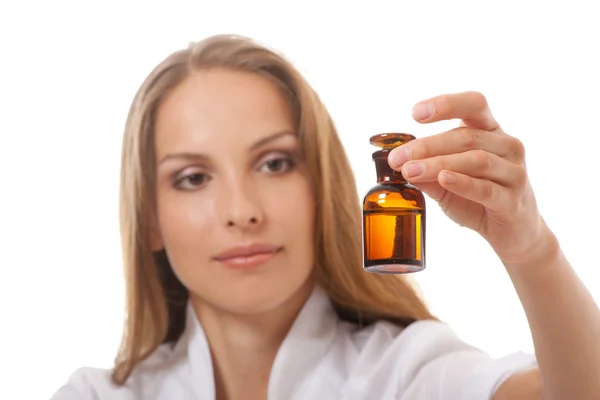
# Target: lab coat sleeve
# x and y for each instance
(427, 361)
(92, 384)
(68, 392)
(75, 388)
(445, 367)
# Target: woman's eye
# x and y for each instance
(192, 181)
(278, 165)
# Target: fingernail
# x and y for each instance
(423, 111)
(449, 178)
(399, 156)
(412, 169)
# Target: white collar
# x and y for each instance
(302, 349)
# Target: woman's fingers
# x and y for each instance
(458, 140)
(471, 107)
(491, 195)
(475, 163)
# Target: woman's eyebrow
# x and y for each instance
(183, 156)
(203, 157)
(270, 138)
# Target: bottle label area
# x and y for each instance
(393, 239)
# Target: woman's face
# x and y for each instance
(234, 203)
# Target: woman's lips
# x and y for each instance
(248, 256)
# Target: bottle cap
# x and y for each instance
(390, 140)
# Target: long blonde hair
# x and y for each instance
(155, 299)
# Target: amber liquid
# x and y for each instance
(394, 240)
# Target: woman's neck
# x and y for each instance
(243, 347)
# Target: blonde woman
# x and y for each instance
(241, 233)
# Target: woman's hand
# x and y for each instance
(477, 174)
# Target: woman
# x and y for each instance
(242, 249)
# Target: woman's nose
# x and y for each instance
(242, 208)
(241, 222)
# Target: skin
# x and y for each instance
(477, 174)
(229, 173)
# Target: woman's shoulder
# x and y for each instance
(384, 331)
(412, 347)
(97, 383)
(427, 360)
(424, 335)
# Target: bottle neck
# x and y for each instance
(385, 174)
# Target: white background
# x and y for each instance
(70, 69)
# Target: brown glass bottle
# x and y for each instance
(393, 216)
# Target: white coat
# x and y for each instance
(322, 358)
